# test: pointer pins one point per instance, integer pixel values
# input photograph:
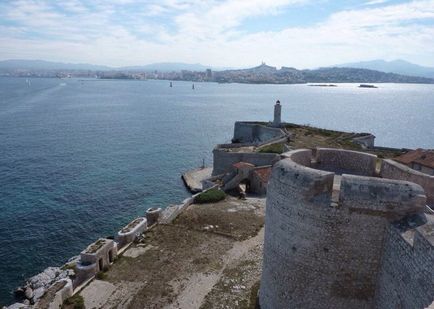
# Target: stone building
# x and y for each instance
(338, 235)
(420, 159)
(259, 180)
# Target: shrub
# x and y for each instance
(273, 148)
(210, 196)
(101, 275)
(76, 301)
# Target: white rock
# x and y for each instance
(17, 306)
(45, 278)
(70, 272)
(38, 293)
(28, 293)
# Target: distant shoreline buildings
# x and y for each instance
(262, 74)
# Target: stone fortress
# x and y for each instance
(345, 229)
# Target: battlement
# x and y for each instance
(312, 173)
(332, 228)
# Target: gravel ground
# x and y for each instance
(210, 257)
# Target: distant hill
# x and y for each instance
(264, 74)
(396, 66)
(20, 64)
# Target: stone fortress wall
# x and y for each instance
(329, 241)
(251, 132)
(247, 134)
(223, 160)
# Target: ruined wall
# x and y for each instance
(249, 132)
(345, 161)
(406, 278)
(395, 170)
(223, 160)
(320, 256)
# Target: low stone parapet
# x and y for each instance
(130, 232)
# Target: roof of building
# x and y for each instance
(420, 156)
(263, 173)
(242, 165)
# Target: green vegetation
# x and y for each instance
(210, 196)
(76, 302)
(274, 148)
(101, 275)
(69, 266)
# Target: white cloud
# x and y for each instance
(210, 33)
(375, 2)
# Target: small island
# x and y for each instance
(367, 86)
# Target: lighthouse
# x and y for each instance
(277, 114)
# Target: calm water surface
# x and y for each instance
(78, 159)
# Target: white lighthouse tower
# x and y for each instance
(277, 121)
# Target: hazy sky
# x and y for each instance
(235, 33)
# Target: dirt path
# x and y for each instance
(200, 284)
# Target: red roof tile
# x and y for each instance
(263, 173)
(421, 156)
(242, 165)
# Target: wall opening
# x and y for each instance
(100, 264)
(110, 254)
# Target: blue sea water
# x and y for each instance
(79, 159)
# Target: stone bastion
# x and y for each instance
(337, 235)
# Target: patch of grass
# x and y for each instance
(210, 196)
(76, 302)
(69, 266)
(101, 275)
(274, 148)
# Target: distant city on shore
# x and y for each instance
(378, 71)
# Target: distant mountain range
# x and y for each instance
(21, 64)
(396, 66)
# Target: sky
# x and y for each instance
(218, 33)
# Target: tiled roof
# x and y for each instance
(420, 156)
(263, 173)
(242, 165)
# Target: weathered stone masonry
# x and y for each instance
(335, 247)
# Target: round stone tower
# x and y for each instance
(325, 225)
(277, 121)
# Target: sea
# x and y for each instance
(81, 158)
